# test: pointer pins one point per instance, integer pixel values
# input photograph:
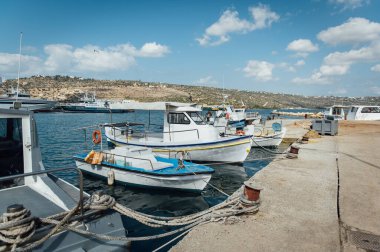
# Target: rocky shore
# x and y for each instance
(69, 88)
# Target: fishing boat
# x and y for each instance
(29, 193)
(139, 166)
(364, 113)
(23, 99)
(261, 136)
(89, 104)
(184, 130)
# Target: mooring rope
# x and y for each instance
(22, 223)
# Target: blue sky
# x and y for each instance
(326, 47)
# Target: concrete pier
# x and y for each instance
(326, 200)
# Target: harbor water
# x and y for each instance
(61, 136)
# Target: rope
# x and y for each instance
(223, 212)
(17, 227)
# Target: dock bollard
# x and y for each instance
(251, 193)
(305, 140)
(110, 177)
(293, 152)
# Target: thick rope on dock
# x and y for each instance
(11, 232)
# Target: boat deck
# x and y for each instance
(36, 203)
(189, 169)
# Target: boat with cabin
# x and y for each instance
(89, 104)
(360, 112)
(23, 99)
(140, 167)
(8, 100)
(262, 136)
(31, 194)
(184, 130)
(338, 112)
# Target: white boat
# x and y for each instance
(27, 188)
(22, 99)
(184, 130)
(338, 112)
(138, 166)
(236, 117)
(8, 100)
(364, 113)
(261, 136)
(268, 137)
(89, 104)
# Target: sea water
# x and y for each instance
(61, 136)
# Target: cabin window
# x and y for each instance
(178, 118)
(196, 118)
(354, 109)
(337, 111)
(371, 110)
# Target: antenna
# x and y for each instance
(19, 66)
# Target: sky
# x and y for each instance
(307, 47)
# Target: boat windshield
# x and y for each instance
(371, 110)
(196, 118)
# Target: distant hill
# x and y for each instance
(66, 88)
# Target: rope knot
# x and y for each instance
(16, 225)
(100, 201)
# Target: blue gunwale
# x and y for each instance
(189, 169)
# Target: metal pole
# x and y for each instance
(19, 67)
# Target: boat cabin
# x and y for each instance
(20, 154)
(364, 113)
(184, 123)
(337, 111)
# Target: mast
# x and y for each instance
(19, 67)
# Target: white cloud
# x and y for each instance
(350, 4)
(300, 63)
(375, 90)
(315, 78)
(376, 68)
(229, 22)
(353, 31)
(302, 47)
(208, 80)
(260, 70)
(63, 58)
(9, 64)
(153, 50)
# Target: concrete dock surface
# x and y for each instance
(326, 200)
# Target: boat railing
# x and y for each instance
(251, 114)
(179, 131)
(80, 180)
(110, 157)
(143, 133)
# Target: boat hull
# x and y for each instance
(193, 182)
(268, 141)
(234, 150)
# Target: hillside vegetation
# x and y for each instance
(65, 88)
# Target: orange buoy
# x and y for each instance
(96, 136)
(240, 132)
